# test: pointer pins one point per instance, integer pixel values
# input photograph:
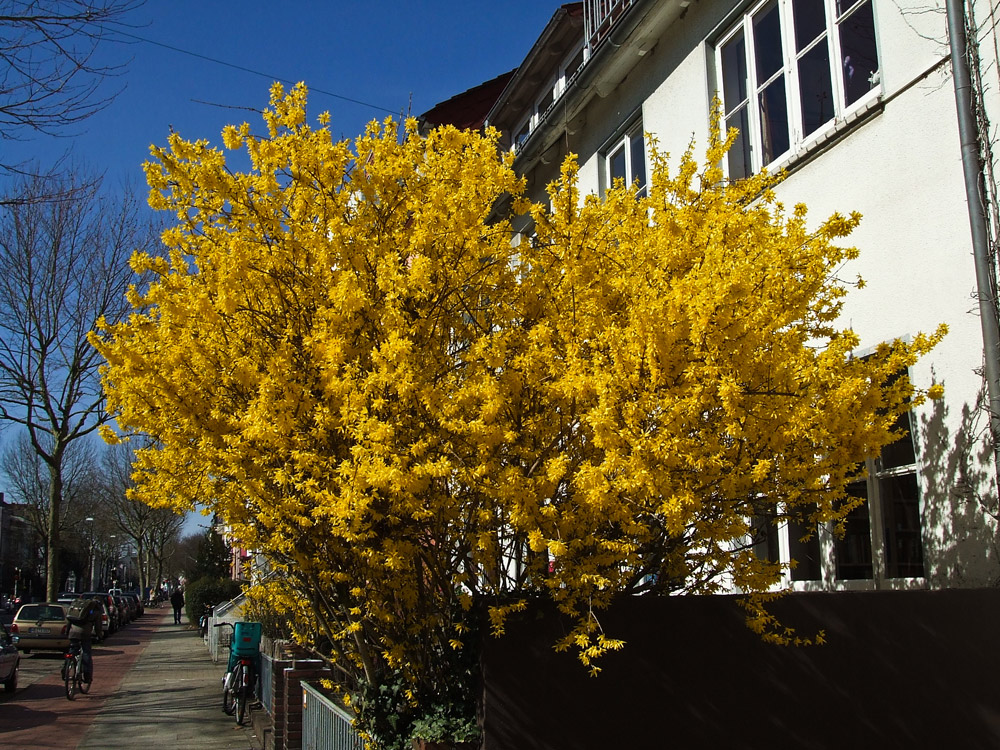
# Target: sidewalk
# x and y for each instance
(172, 697)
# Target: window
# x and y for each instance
(882, 536)
(553, 89)
(764, 538)
(891, 515)
(522, 134)
(573, 65)
(803, 547)
(793, 538)
(625, 159)
(788, 69)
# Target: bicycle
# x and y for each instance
(206, 614)
(72, 671)
(239, 684)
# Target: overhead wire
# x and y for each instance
(248, 70)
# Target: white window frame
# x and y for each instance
(797, 139)
(877, 513)
(875, 506)
(565, 74)
(526, 127)
(557, 86)
(624, 141)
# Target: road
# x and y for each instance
(38, 715)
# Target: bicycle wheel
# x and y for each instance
(83, 685)
(228, 694)
(242, 694)
(69, 676)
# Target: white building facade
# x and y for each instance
(856, 101)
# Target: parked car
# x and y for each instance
(125, 612)
(137, 603)
(41, 626)
(10, 660)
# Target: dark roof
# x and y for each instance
(468, 109)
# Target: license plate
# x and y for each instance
(39, 630)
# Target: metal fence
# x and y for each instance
(325, 725)
(218, 638)
(266, 693)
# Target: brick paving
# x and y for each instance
(154, 686)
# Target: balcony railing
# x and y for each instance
(599, 16)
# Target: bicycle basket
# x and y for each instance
(246, 640)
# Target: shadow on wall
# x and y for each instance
(960, 505)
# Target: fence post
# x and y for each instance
(301, 669)
(326, 725)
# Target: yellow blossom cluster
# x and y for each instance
(342, 354)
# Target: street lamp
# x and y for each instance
(90, 526)
(112, 561)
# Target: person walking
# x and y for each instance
(84, 624)
(177, 600)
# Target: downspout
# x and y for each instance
(968, 134)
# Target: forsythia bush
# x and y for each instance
(417, 421)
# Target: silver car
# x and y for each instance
(10, 660)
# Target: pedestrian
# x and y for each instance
(84, 618)
(177, 600)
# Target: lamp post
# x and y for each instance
(113, 560)
(90, 544)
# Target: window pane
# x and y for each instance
(854, 551)
(522, 134)
(734, 72)
(810, 21)
(904, 556)
(739, 154)
(899, 452)
(616, 165)
(773, 121)
(815, 88)
(857, 42)
(545, 102)
(767, 41)
(806, 554)
(765, 539)
(638, 157)
(575, 64)
(845, 5)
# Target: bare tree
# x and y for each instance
(29, 480)
(51, 76)
(63, 266)
(151, 530)
(164, 538)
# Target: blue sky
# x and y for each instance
(395, 55)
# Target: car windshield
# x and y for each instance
(40, 612)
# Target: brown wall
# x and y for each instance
(912, 669)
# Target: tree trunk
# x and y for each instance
(52, 550)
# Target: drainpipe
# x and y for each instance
(975, 196)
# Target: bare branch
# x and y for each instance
(51, 77)
(63, 266)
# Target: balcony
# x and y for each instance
(600, 16)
